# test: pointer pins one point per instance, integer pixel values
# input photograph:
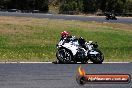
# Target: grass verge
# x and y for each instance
(32, 39)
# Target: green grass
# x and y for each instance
(30, 39)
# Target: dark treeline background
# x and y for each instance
(108, 5)
(28, 5)
(92, 6)
(82, 6)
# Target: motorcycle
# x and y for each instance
(111, 17)
(73, 51)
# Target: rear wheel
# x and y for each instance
(64, 56)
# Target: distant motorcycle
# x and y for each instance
(111, 17)
(72, 51)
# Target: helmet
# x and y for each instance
(64, 34)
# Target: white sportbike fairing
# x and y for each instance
(72, 51)
(71, 47)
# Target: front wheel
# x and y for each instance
(97, 58)
(64, 56)
(115, 18)
(107, 18)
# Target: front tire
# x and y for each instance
(115, 18)
(107, 18)
(64, 56)
(98, 59)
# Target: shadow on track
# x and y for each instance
(57, 62)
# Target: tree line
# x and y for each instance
(92, 6)
(82, 6)
(27, 5)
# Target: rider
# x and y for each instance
(64, 35)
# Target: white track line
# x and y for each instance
(48, 62)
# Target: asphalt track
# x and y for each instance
(25, 75)
(125, 20)
(42, 75)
